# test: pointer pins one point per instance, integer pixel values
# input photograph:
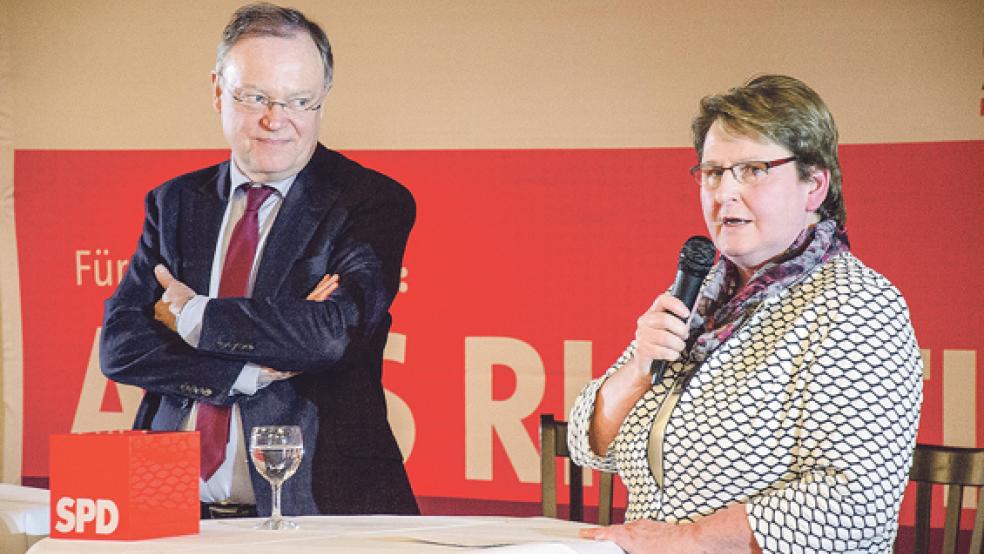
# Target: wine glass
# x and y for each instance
(276, 451)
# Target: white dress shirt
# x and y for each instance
(231, 481)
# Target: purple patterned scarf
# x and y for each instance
(721, 309)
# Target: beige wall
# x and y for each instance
(10, 362)
(503, 74)
(133, 74)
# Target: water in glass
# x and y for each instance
(276, 451)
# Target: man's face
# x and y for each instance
(270, 143)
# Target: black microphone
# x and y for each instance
(696, 259)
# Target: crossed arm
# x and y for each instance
(361, 239)
(177, 294)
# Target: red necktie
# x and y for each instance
(212, 421)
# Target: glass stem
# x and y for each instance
(276, 501)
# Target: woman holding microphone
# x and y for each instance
(786, 417)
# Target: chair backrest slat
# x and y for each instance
(548, 469)
(605, 486)
(924, 504)
(951, 527)
(977, 537)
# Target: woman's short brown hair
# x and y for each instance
(788, 112)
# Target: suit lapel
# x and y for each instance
(313, 193)
(202, 209)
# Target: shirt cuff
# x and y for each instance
(189, 320)
(248, 381)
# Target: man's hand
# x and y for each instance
(176, 295)
(324, 288)
(327, 285)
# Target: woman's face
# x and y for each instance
(751, 224)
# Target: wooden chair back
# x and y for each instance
(553, 444)
(955, 468)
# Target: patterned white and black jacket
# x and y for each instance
(807, 414)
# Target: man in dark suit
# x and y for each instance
(259, 293)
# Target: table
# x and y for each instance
(363, 534)
(23, 517)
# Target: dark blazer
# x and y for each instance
(338, 217)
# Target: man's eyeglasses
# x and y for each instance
(748, 173)
(256, 101)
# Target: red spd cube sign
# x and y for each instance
(124, 485)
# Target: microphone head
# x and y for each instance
(697, 256)
(696, 259)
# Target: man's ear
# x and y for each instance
(819, 183)
(216, 92)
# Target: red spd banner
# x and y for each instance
(523, 279)
(124, 485)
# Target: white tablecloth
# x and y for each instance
(363, 534)
(23, 517)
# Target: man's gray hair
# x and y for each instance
(265, 19)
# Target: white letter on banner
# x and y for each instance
(107, 517)
(960, 404)
(577, 372)
(483, 415)
(397, 411)
(79, 266)
(88, 414)
(66, 517)
(85, 509)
